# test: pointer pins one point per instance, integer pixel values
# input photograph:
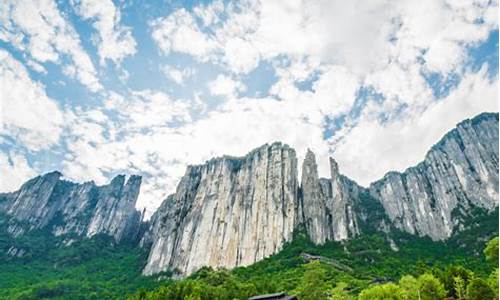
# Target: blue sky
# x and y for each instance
(97, 88)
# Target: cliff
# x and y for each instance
(66, 208)
(235, 211)
(228, 212)
(458, 173)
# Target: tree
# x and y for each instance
(459, 287)
(339, 292)
(313, 286)
(430, 288)
(449, 276)
(478, 289)
(493, 281)
(388, 291)
(409, 286)
(491, 251)
(194, 291)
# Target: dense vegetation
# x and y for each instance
(94, 268)
(366, 267)
(421, 269)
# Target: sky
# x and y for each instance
(96, 88)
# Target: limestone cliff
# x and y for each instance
(64, 208)
(234, 211)
(336, 208)
(458, 173)
(228, 212)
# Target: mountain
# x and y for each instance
(233, 212)
(71, 210)
(236, 211)
(228, 212)
(460, 172)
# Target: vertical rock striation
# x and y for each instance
(460, 172)
(66, 208)
(335, 208)
(228, 212)
(234, 211)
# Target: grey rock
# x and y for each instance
(461, 171)
(69, 208)
(328, 204)
(228, 212)
(235, 211)
(337, 208)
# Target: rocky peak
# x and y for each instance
(434, 197)
(234, 211)
(64, 207)
(334, 169)
(228, 212)
(313, 200)
(328, 204)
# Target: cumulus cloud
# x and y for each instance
(26, 112)
(148, 109)
(180, 32)
(18, 168)
(361, 66)
(373, 146)
(40, 29)
(341, 47)
(176, 74)
(115, 41)
(225, 86)
(135, 140)
(362, 36)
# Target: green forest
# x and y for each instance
(329, 279)
(366, 267)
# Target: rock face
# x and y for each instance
(336, 208)
(460, 172)
(234, 211)
(66, 208)
(228, 212)
(328, 204)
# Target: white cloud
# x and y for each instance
(115, 41)
(148, 109)
(332, 94)
(225, 86)
(322, 53)
(241, 124)
(209, 14)
(177, 75)
(241, 55)
(401, 84)
(336, 90)
(39, 28)
(362, 36)
(373, 147)
(26, 112)
(179, 32)
(18, 170)
(132, 141)
(36, 66)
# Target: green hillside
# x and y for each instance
(97, 268)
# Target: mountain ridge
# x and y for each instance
(234, 211)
